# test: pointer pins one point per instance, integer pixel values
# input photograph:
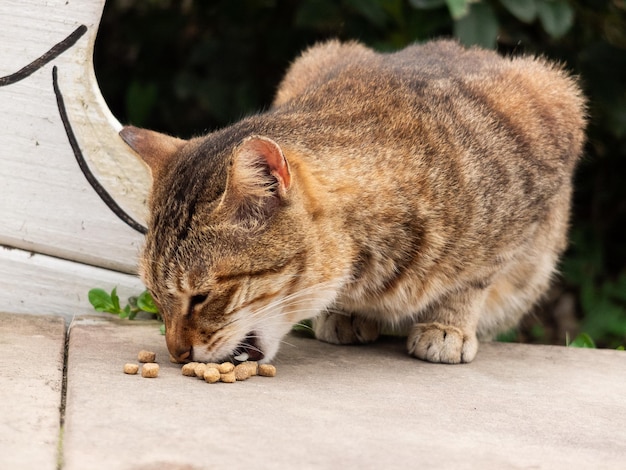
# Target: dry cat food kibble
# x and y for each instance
(131, 369)
(228, 377)
(242, 372)
(252, 366)
(227, 372)
(199, 369)
(226, 367)
(211, 372)
(189, 369)
(211, 375)
(150, 370)
(267, 370)
(146, 356)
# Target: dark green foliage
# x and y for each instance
(188, 67)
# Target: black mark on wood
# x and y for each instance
(53, 53)
(82, 164)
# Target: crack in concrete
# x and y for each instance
(63, 400)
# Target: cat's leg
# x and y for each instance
(447, 331)
(344, 328)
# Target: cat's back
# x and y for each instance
(337, 62)
(440, 62)
(397, 98)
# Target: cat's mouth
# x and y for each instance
(249, 347)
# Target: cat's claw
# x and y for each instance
(341, 328)
(435, 342)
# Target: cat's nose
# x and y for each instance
(182, 354)
(177, 342)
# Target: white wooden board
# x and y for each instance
(72, 195)
(39, 284)
(53, 120)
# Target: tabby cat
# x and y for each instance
(427, 188)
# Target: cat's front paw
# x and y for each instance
(341, 328)
(435, 342)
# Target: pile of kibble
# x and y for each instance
(226, 372)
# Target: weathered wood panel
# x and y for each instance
(72, 195)
(52, 114)
(39, 284)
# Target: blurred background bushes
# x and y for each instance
(188, 67)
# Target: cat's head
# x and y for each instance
(226, 255)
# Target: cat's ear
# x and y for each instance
(260, 169)
(259, 176)
(153, 147)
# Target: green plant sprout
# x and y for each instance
(102, 301)
(583, 340)
(110, 303)
(304, 328)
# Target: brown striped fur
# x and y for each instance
(428, 188)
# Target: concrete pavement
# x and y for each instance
(515, 406)
(31, 376)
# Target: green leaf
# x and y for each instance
(621, 348)
(130, 313)
(427, 4)
(146, 303)
(557, 16)
(125, 313)
(116, 300)
(523, 10)
(479, 27)
(100, 300)
(458, 8)
(583, 340)
(305, 327)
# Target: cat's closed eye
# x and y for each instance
(196, 301)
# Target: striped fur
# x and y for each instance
(427, 188)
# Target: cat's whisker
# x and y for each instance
(305, 295)
(284, 306)
(283, 341)
(280, 314)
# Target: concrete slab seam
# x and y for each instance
(63, 399)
